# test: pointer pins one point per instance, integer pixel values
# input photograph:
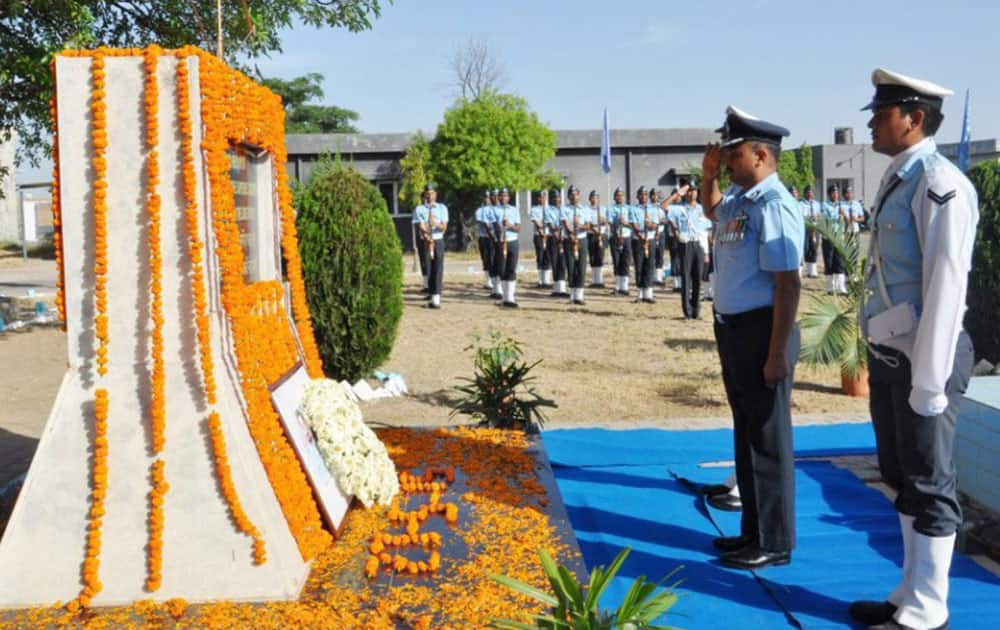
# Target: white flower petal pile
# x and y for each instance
(352, 452)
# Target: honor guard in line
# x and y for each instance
(919, 359)
(508, 228)
(493, 228)
(621, 240)
(598, 240)
(811, 212)
(431, 219)
(855, 211)
(576, 224)
(658, 262)
(689, 221)
(553, 220)
(540, 238)
(671, 244)
(758, 253)
(644, 219)
(421, 248)
(835, 213)
(485, 241)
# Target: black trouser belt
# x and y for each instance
(746, 318)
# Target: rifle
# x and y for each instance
(429, 235)
(503, 234)
(576, 241)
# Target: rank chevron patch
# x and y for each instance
(940, 199)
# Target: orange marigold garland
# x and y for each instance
(222, 473)
(99, 140)
(157, 405)
(154, 549)
(56, 208)
(195, 244)
(99, 487)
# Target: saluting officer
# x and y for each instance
(431, 219)
(598, 240)
(811, 211)
(508, 229)
(621, 240)
(576, 223)
(644, 218)
(834, 212)
(920, 358)
(540, 238)
(689, 221)
(553, 220)
(485, 241)
(758, 253)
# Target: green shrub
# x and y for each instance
(352, 261)
(984, 281)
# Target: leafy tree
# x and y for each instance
(352, 261)
(493, 140)
(415, 165)
(983, 299)
(301, 116)
(31, 32)
(795, 167)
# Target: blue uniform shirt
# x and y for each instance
(811, 210)
(482, 216)
(581, 213)
(759, 231)
(423, 213)
(642, 213)
(513, 216)
(618, 217)
(537, 213)
(552, 217)
(831, 212)
(690, 221)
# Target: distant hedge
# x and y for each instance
(352, 261)
(982, 320)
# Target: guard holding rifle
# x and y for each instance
(644, 218)
(508, 229)
(553, 221)
(811, 212)
(540, 238)
(758, 253)
(598, 240)
(431, 219)
(576, 223)
(621, 241)
(485, 241)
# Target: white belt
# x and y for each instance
(682, 239)
(581, 235)
(437, 236)
(511, 236)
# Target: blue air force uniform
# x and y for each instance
(576, 221)
(539, 239)
(508, 225)
(553, 221)
(645, 220)
(689, 226)
(833, 213)
(621, 243)
(431, 219)
(485, 239)
(920, 358)
(759, 232)
(598, 241)
(811, 212)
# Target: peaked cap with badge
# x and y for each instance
(893, 88)
(742, 127)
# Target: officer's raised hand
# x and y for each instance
(711, 161)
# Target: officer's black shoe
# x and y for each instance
(892, 624)
(426, 297)
(753, 557)
(710, 489)
(649, 300)
(871, 613)
(727, 544)
(595, 285)
(425, 290)
(510, 305)
(579, 302)
(432, 305)
(725, 502)
(496, 296)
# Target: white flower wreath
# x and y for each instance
(350, 449)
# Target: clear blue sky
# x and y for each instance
(660, 63)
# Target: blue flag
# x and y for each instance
(963, 143)
(606, 145)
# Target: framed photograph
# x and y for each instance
(286, 396)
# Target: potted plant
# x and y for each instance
(829, 324)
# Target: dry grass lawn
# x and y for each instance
(612, 362)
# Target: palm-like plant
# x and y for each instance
(575, 607)
(501, 394)
(829, 324)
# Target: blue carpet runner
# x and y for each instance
(621, 489)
